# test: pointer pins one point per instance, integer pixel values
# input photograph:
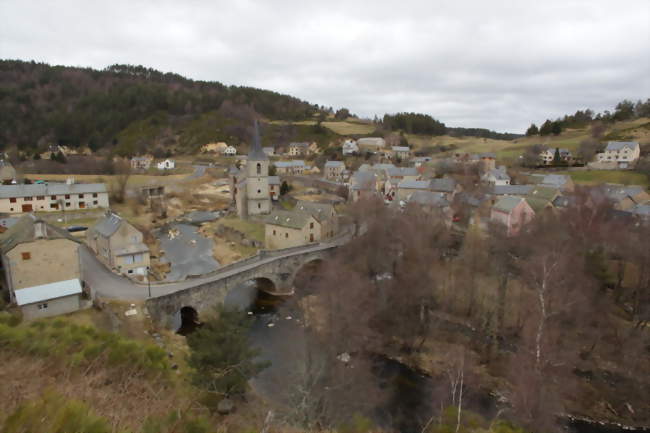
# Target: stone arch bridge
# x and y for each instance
(277, 268)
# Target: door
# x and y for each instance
(27, 208)
(311, 237)
(82, 205)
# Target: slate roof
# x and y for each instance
(24, 231)
(401, 149)
(301, 144)
(371, 141)
(288, 164)
(414, 184)
(499, 174)
(256, 153)
(619, 192)
(511, 189)
(132, 249)
(290, 219)
(108, 225)
(363, 180)
(335, 164)
(319, 211)
(641, 210)
(44, 292)
(36, 189)
(443, 185)
(428, 198)
(557, 180)
(537, 204)
(618, 145)
(401, 171)
(507, 203)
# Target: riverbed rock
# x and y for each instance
(225, 406)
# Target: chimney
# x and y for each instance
(69, 181)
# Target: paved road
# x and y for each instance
(189, 253)
(109, 285)
(199, 170)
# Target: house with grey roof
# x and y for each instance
(141, 162)
(501, 190)
(120, 246)
(432, 203)
(512, 213)
(334, 170)
(372, 144)
(446, 185)
(52, 197)
(42, 268)
(621, 153)
(298, 149)
(496, 176)
(363, 184)
(291, 168)
(400, 152)
(406, 188)
(286, 229)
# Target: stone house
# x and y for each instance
(623, 153)
(487, 162)
(433, 203)
(290, 168)
(446, 185)
(400, 152)
(120, 246)
(363, 185)
(298, 149)
(52, 197)
(141, 162)
(547, 156)
(230, 151)
(497, 176)
(334, 170)
(285, 229)
(407, 187)
(512, 212)
(324, 213)
(42, 268)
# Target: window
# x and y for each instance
(67, 196)
(42, 306)
(259, 168)
(12, 200)
(273, 232)
(67, 204)
(81, 195)
(286, 235)
(53, 197)
(27, 199)
(54, 206)
(40, 197)
(311, 225)
(259, 191)
(94, 195)
(26, 255)
(259, 205)
(95, 202)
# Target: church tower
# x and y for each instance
(257, 178)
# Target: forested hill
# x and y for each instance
(128, 108)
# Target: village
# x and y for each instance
(171, 226)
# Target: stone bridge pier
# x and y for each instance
(236, 285)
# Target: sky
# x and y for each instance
(493, 64)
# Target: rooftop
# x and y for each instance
(37, 189)
(44, 292)
(618, 145)
(291, 219)
(507, 203)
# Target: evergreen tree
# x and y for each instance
(547, 128)
(556, 127)
(557, 159)
(221, 353)
(532, 130)
(284, 188)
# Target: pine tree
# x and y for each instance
(557, 159)
(532, 130)
(547, 128)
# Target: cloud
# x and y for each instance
(497, 64)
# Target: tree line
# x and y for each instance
(625, 110)
(73, 106)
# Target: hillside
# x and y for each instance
(128, 109)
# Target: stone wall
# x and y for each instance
(234, 235)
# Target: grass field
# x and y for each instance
(349, 128)
(252, 230)
(624, 177)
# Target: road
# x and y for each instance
(105, 283)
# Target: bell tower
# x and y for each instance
(257, 177)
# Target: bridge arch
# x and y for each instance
(304, 276)
(186, 320)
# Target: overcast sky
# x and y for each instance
(473, 63)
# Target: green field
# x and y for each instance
(624, 177)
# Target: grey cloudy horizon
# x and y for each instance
(490, 64)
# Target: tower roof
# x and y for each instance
(256, 153)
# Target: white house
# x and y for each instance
(167, 164)
(350, 147)
(51, 197)
(401, 152)
(230, 151)
(622, 152)
(496, 176)
(547, 156)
